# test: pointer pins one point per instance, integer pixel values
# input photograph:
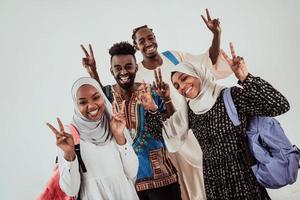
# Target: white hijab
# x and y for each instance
(177, 126)
(209, 89)
(97, 132)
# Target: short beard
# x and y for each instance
(129, 85)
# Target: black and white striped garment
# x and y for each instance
(227, 173)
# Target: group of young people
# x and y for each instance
(162, 131)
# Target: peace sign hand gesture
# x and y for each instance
(144, 97)
(64, 141)
(161, 88)
(237, 64)
(118, 123)
(213, 25)
(89, 61)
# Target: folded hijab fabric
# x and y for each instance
(209, 89)
(96, 132)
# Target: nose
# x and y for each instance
(182, 88)
(123, 71)
(91, 106)
(148, 42)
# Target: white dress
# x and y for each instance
(111, 172)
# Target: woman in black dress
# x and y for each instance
(227, 172)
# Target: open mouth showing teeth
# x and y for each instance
(93, 113)
(150, 49)
(124, 79)
(188, 90)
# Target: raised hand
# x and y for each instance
(213, 25)
(237, 64)
(89, 60)
(144, 97)
(161, 88)
(64, 141)
(118, 123)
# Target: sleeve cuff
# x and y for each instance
(125, 149)
(69, 164)
(248, 79)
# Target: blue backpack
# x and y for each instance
(277, 160)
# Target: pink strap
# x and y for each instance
(74, 133)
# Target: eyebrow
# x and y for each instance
(92, 96)
(180, 75)
(95, 93)
(117, 65)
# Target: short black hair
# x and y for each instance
(122, 48)
(134, 31)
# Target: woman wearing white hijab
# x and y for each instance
(105, 148)
(227, 174)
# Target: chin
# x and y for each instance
(151, 55)
(126, 86)
(191, 96)
(96, 118)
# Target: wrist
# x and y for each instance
(217, 34)
(69, 156)
(93, 71)
(153, 108)
(120, 140)
(167, 101)
(244, 77)
(166, 98)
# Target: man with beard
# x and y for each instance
(157, 177)
(186, 153)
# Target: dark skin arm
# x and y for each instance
(89, 63)
(215, 28)
(163, 90)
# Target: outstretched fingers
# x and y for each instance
(123, 108)
(207, 14)
(232, 50)
(91, 50)
(53, 129)
(205, 20)
(61, 126)
(228, 60)
(84, 50)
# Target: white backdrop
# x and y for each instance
(41, 57)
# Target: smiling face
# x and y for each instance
(146, 43)
(124, 68)
(188, 86)
(90, 102)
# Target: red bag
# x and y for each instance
(53, 190)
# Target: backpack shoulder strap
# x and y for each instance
(171, 57)
(76, 138)
(74, 133)
(230, 107)
(107, 90)
(233, 115)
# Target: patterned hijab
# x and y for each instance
(96, 132)
(209, 90)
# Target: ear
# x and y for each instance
(111, 71)
(136, 67)
(136, 47)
